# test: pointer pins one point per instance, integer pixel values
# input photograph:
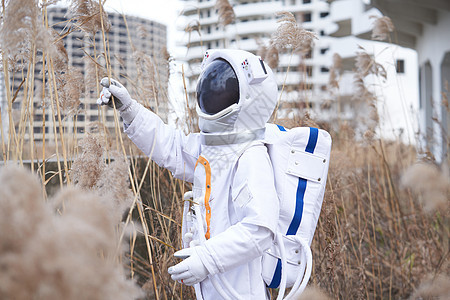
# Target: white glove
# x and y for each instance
(122, 99)
(191, 270)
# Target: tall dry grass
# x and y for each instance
(103, 218)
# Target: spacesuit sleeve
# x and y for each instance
(168, 147)
(256, 203)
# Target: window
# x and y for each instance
(324, 14)
(324, 50)
(306, 1)
(308, 54)
(307, 17)
(400, 66)
(324, 70)
(322, 33)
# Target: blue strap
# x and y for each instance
(277, 276)
(295, 223)
(301, 188)
(281, 128)
(312, 141)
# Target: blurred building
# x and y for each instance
(307, 84)
(351, 24)
(137, 55)
(255, 22)
(423, 27)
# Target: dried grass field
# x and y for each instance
(87, 216)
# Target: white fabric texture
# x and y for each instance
(190, 271)
(243, 203)
(243, 199)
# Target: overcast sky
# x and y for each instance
(163, 11)
(166, 12)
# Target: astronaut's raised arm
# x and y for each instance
(168, 147)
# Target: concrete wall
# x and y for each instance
(432, 47)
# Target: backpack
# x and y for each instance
(300, 159)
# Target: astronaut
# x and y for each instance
(228, 164)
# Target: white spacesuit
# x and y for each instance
(228, 164)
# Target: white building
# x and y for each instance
(337, 25)
(351, 23)
(255, 23)
(424, 26)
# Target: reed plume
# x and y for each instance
(431, 184)
(62, 249)
(434, 287)
(21, 25)
(88, 167)
(225, 12)
(365, 64)
(89, 16)
(269, 54)
(382, 27)
(109, 181)
(290, 35)
(311, 292)
(70, 86)
(147, 78)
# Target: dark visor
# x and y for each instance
(217, 87)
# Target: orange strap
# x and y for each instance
(207, 167)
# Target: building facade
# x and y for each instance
(306, 86)
(423, 27)
(351, 24)
(136, 49)
(254, 25)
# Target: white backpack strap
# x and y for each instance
(302, 281)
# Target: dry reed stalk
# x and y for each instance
(193, 26)
(2, 133)
(44, 181)
(60, 123)
(31, 109)
(117, 125)
(335, 71)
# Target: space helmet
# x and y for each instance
(236, 92)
